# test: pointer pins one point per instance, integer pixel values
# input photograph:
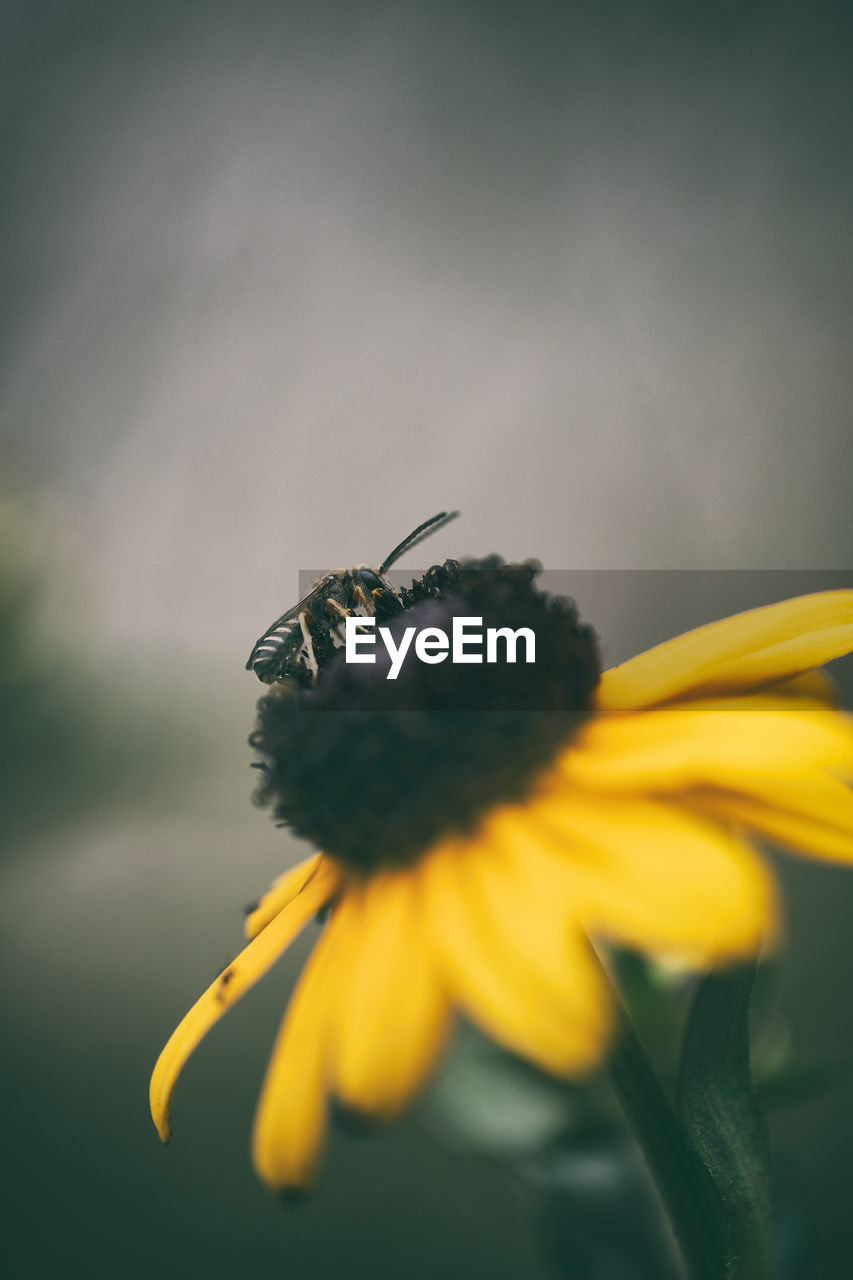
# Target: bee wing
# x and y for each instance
(274, 626)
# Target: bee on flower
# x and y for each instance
(483, 826)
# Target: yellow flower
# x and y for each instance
(635, 832)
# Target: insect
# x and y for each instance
(300, 643)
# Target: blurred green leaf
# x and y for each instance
(597, 1215)
(495, 1105)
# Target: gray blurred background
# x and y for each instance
(280, 281)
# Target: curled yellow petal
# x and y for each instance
(283, 890)
(234, 981)
(393, 1015)
(746, 651)
(290, 1121)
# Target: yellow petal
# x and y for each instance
(512, 960)
(518, 896)
(284, 889)
(817, 686)
(290, 1122)
(695, 744)
(656, 877)
(744, 652)
(393, 1016)
(812, 814)
(234, 981)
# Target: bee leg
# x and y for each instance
(308, 647)
(362, 600)
(340, 614)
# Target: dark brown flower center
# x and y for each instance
(374, 771)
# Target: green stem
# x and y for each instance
(688, 1195)
(720, 1112)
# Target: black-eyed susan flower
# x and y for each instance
(476, 839)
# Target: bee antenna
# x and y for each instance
(417, 535)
